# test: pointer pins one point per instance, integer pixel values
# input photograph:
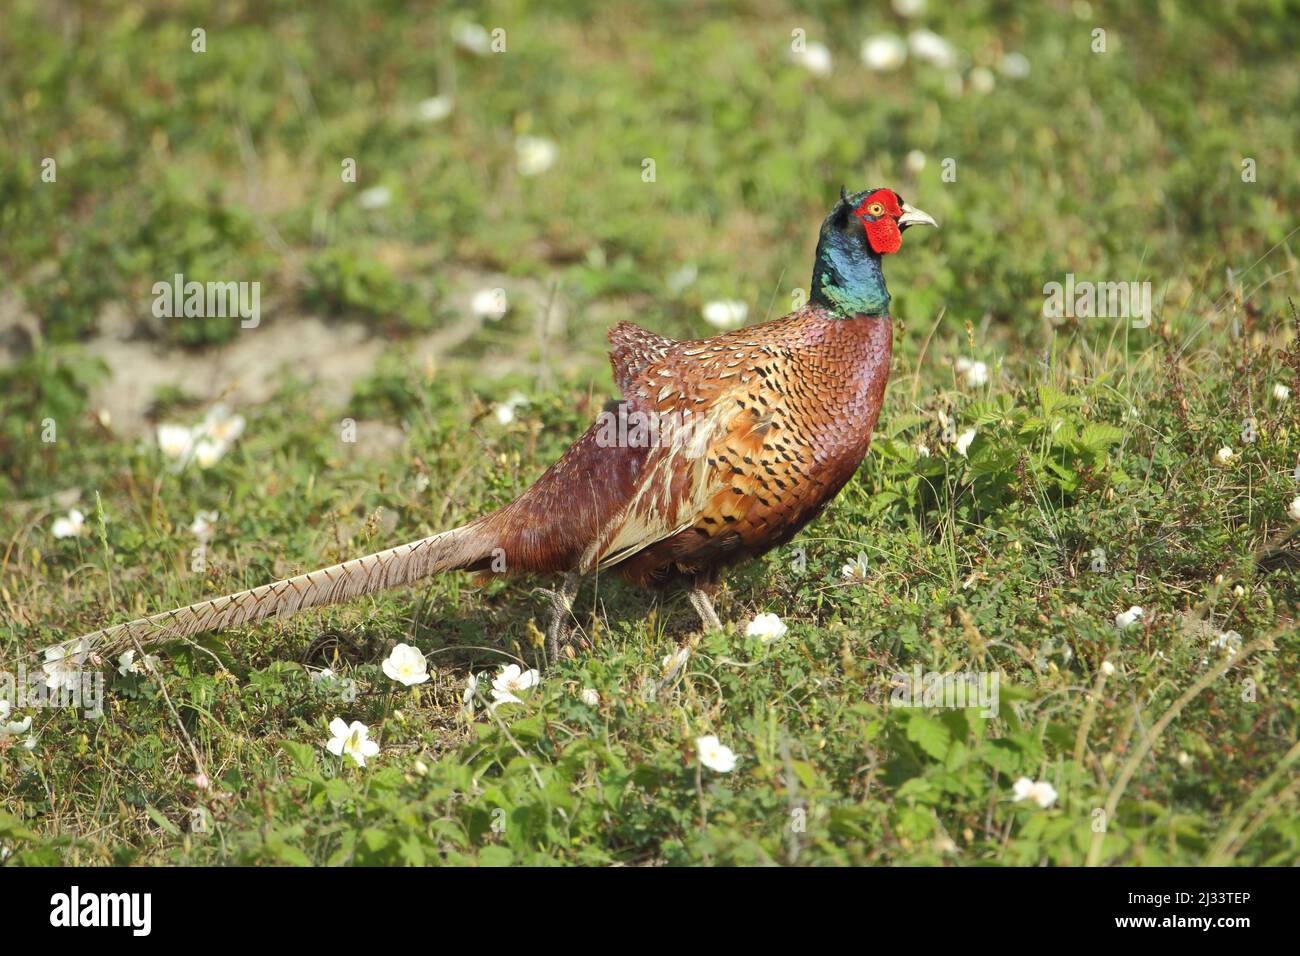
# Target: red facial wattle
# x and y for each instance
(882, 230)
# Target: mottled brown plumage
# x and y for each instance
(786, 411)
(751, 434)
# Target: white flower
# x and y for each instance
(814, 57)
(590, 697)
(376, 197)
(1281, 392)
(505, 411)
(932, 48)
(62, 666)
(982, 80)
(857, 569)
(220, 426)
(30, 743)
(534, 155)
(1108, 668)
(205, 443)
(472, 37)
(323, 676)
(909, 8)
(681, 279)
(1184, 759)
(435, 108)
(964, 440)
(914, 161)
(71, 526)
(203, 523)
(351, 740)
(1223, 455)
(767, 628)
(406, 665)
(725, 313)
(1014, 65)
(1042, 792)
(975, 373)
(674, 662)
(11, 727)
(489, 303)
(1293, 509)
(511, 679)
(1227, 641)
(471, 688)
(127, 664)
(208, 453)
(715, 756)
(883, 52)
(1126, 619)
(175, 441)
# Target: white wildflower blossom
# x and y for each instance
(435, 108)
(406, 665)
(714, 755)
(856, 570)
(767, 628)
(376, 197)
(70, 526)
(352, 740)
(472, 37)
(127, 664)
(1041, 792)
(883, 52)
(534, 155)
(814, 57)
(510, 680)
(1126, 619)
(725, 313)
(928, 46)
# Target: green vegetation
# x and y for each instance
(1092, 481)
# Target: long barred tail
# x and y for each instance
(448, 551)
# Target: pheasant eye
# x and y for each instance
(875, 209)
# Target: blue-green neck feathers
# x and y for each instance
(847, 276)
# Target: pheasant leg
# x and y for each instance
(557, 629)
(704, 608)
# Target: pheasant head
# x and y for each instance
(862, 227)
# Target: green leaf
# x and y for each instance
(304, 755)
(156, 816)
(930, 735)
(11, 828)
(1098, 435)
(495, 856)
(1053, 399)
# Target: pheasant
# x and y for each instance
(722, 449)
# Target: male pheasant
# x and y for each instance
(722, 449)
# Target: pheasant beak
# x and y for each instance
(915, 217)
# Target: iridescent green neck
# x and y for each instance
(847, 277)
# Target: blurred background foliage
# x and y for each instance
(226, 164)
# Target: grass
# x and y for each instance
(1091, 483)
